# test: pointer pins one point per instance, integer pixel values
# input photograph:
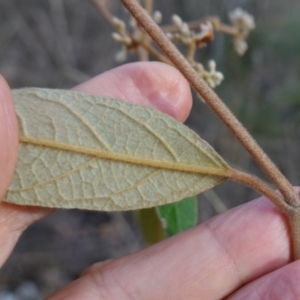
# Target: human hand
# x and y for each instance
(244, 253)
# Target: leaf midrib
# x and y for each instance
(172, 166)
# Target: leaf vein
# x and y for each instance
(149, 129)
(74, 113)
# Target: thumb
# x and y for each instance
(8, 137)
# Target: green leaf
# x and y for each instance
(179, 216)
(90, 152)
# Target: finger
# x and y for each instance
(8, 137)
(208, 262)
(173, 97)
(148, 83)
(278, 285)
(13, 219)
(10, 216)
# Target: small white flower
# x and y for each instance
(119, 25)
(185, 30)
(212, 65)
(117, 37)
(157, 16)
(218, 78)
(124, 39)
(177, 21)
(121, 55)
(240, 46)
(206, 27)
(169, 35)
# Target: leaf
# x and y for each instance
(90, 152)
(179, 216)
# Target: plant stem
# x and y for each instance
(159, 56)
(192, 25)
(191, 52)
(227, 29)
(143, 52)
(292, 213)
(195, 25)
(262, 187)
(149, 6)
(214, 102)
(101, 7)
(294, 221)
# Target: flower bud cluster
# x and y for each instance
(121, 35)
(187, 36)
(129, 41)
(211, 76)
(244, 23)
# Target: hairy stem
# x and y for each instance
(262, 187)
(294, 220)
(214, 102)
(292, 212)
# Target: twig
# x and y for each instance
(149, 6)
(143, 43)
(214, 102)
(143, 52)
(262, 187)
(101, 7)
(159, 56)
(230, 30)
(294, 221)
(191, 52)
(194, 25)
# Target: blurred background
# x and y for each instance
(61, 43)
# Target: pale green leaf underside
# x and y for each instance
(91, 152)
